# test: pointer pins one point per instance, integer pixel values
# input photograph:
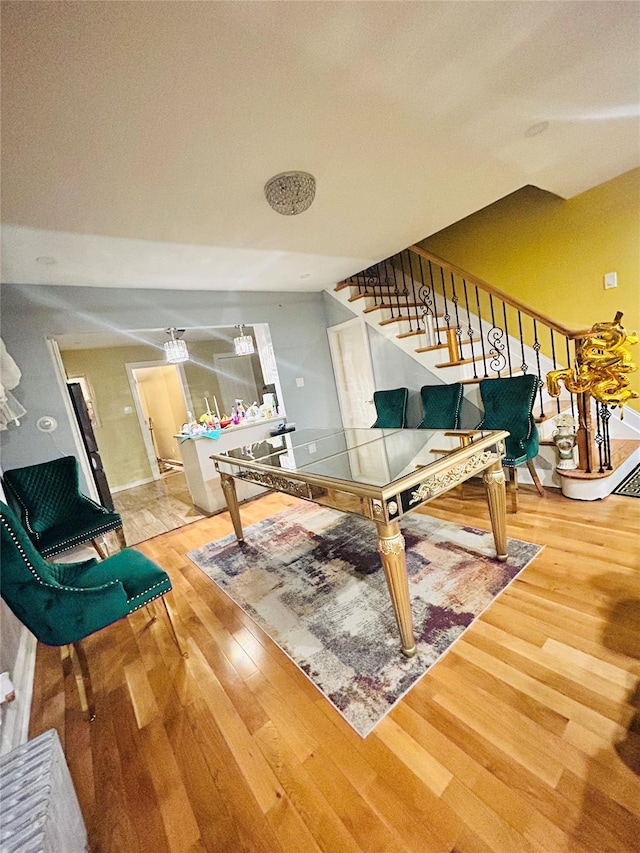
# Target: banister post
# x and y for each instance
(584, 435)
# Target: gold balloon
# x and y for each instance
(602, 362)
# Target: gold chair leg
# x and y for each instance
(513, 488)
(121, 539)
(183, 652)
(152, 616)
(101, 552)
(535, 478)
(75, 654)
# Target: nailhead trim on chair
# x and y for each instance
(511, 461)
(40, 580)
(27, 523)
(148, 589)
(144, 603)
(76, 540)
(79, 539)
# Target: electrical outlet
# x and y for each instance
(300, 382)
(610, 280)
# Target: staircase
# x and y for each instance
(461, 329)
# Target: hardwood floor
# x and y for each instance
(524, 737)
(155, 508)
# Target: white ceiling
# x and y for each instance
(137, 136)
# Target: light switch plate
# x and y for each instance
(299, 381)
(610, 280)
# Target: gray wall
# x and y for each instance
(298, 322)
(31, 313)
(393, 368)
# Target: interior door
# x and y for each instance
(237, 381)
(90, 443)
(353, 370)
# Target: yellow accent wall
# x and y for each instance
(118, 435)
(162, 402)
(553, 253)
(119, 438)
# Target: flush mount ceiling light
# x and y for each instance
(537, 129)
(47, 423)
(243, 344)
(176, 349)
(290, 193)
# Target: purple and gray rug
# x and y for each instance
(312, 579)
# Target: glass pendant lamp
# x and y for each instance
(176, 349)
(243, 344)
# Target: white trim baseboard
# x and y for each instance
(114, 489)
(16, 714)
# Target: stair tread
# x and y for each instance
(400, 319)
(551, 415)
(458, 362)
(621, 450)
(432, 348)
(445, 345)
(411, 334)
(378, 307)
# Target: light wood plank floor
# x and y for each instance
(154, 508)
(524, 737)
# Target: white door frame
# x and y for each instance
(365, 370)
(81, 451)
(144, 426)
(265, 350)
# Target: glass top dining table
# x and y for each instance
(380, 474)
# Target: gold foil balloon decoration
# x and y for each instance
(602, 363)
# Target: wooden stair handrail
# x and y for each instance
(515, 303)
(589, 446)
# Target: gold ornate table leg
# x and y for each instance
(229, 489)
(391, 548)
(494, 480)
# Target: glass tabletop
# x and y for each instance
(375, 457)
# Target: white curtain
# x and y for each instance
(10, 409)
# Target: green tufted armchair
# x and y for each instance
(391, 408)
(508, 404)
(53, 510)
(62, 603)
(441, 406)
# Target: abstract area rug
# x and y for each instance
(312, 579)
(630, 486)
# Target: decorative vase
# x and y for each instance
(564, 438)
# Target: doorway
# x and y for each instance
(122, 404)
(353, 370)
(162, 402)
(236, 380)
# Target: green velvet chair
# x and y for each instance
(391, 408)
(53, 510)
(62, 603)
(508, 404)
(441, 406)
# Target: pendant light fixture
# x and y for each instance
(243, 344)
(176, 349)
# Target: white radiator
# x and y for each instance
(40, 811)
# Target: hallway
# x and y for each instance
(155, 508)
